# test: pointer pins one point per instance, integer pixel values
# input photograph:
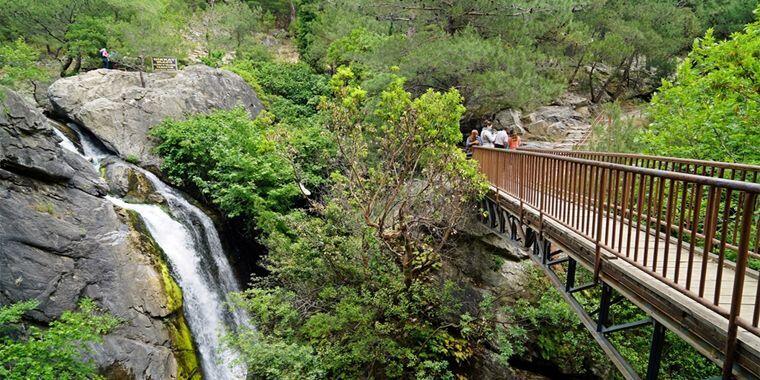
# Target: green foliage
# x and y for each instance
(505, 53)
(132, 159)
(622, 33)
(556, 331)
(291, 90)
(18, 64)
(54, 352)
(490, 74)
(559, 337)
(326, 23)
(154, 28)
(352, 290)
(711, 109)
(280, 10)
(226, 26)
(614, 132)
(232, 160)
(724, 16)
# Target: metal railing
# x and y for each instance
(727, 170)
(691, 231)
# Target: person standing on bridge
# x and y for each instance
(473, 140)
(500, 140)
(514, 140)
(488, 136)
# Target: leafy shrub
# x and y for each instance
(233, 160)
(353, 288)
(55, 352)
(18, 63)
(291, 90)
(712, 108)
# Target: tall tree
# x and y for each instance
(711, 110)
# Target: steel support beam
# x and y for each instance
(655, 352)
(627, 326)
(604, 307)
(570, 279)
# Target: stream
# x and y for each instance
(195, 255)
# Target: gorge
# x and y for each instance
(306, 189)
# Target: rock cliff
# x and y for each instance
(120, 107)
(61, 240)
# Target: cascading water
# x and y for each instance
(198, 262)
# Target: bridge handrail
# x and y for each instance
(688, 177)
(684, 213)
(634, 159)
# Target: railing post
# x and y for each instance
(521, 185)
(736, 297)
(599, 219)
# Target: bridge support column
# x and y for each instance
(604, 307)
(655, 351)
(570, 281)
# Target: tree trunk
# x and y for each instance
(577, 68)
(65, 65)
(591, 81)
(608, 81)
(292, 12)
(77, 64)
(624, 79)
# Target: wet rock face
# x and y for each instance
(61, 240)
(120, 111)
(127, 182)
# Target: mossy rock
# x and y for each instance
(181, 338)
(183, 347)
(127, 182)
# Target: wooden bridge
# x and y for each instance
(678, 238)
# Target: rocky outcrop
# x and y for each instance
(561, 125)
(120, 107)
(127, 182)
(61, 240)
(486, 264)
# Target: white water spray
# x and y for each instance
(199, 265)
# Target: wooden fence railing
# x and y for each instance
(680, 221)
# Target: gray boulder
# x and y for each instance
(61, 240)
(119, 110)
(558, 126)
(509, 119)
(127, 182)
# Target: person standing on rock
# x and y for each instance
(104, 56)
(514, 140)
(488, 136)
(500, 140)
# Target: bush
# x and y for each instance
(711, 110)
(233, 160)
(56, 352)
(291, 90)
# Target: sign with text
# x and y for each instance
(164, 63)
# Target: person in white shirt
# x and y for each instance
(500, 140)
(488, 135)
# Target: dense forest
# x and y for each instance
(351, 187)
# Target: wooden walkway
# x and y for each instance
(646, 233)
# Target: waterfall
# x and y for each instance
(198, 263)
